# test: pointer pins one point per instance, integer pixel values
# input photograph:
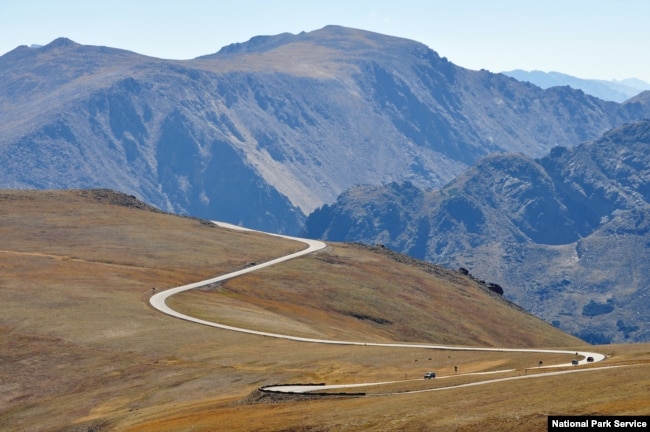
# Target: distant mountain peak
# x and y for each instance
(332, 36)
(25, 50)
(260, 44)
(61, 42)
(642, 97)
(256, 44)
(617, 91)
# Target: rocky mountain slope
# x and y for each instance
(617, 91)
(264, 132)
(567, 236)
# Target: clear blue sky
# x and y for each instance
(603, 39)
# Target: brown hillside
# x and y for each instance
(350, 292)
(82, 350)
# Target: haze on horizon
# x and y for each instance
(593, 39)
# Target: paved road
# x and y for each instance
(158, 301)
(288, 388)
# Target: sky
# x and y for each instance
(595, 39)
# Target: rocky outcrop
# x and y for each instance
(566, 235)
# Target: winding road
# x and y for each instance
(158, 301)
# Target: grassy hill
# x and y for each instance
(82, 350)
(370, 294)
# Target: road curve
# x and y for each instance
(158, 301)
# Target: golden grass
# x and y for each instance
(82, 349)
(348, 293)
(507, 406)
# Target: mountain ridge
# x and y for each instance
(566, 235)
(614, 90)
(296, 122)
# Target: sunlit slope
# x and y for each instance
(81, 347)
(351, 292)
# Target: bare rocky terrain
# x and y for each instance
(263, 132)
(566, 236)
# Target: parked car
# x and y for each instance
(574, 362)
(429, 375)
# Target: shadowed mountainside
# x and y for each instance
(567, 235)
(264, 132)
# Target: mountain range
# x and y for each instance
(264, 132)
(464, 168)
(567, 236)
(617, 91)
